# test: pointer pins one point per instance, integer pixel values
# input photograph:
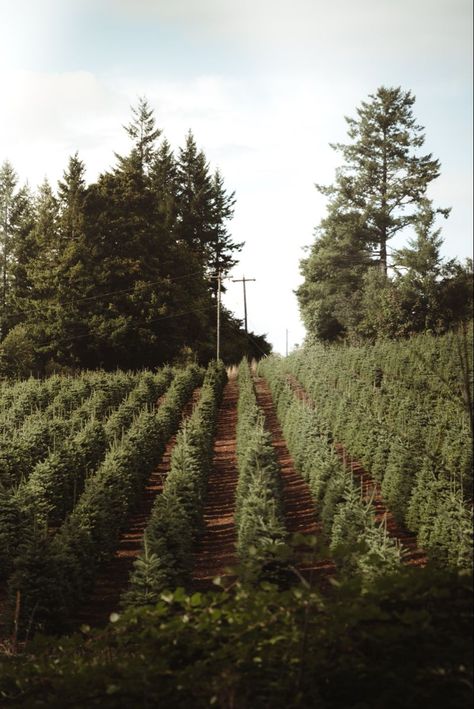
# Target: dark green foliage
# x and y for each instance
(56, 483)
(261, 534)
(400, 473)
(121, 272)
(442, 520)
(332, 499)
(176, 517)
(380, 190)
(21, 450)
(148, 389)
(406, 644)
(358, 544)
(411, 428)
(70, 559)
(11, 520)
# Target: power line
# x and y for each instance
(163, 280)
(148, 322)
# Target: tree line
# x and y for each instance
(356, 287)
(120, 272)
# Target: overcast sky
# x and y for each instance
(263, 84)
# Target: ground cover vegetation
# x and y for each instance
(356, 286)
(404, 644)
(120, 272)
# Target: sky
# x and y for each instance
(264, 85)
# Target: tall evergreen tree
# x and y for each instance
(43, 272)
(24, 250)
(380, 190)
(383, 178)
(422, 277)
(151, 297)
(164, 184)
(221, 248)
(329, 296)
(75, 272)
(8, 183)
(71, 196)
(143, 132)
(195, 199)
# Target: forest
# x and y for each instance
(121, 272)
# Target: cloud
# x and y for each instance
(307, 29)
(297, 68)
(51, 115)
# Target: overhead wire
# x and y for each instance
(148, 284)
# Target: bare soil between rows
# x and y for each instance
(300, 511)
(114, 576)
(215, 554)
(412, 554)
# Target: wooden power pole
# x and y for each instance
(218, 345)
(244, 280)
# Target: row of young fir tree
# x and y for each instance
(120, 272)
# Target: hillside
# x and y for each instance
(295, 533)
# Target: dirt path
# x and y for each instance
(216, 548)
(113, 578)
(413, 555)
(300, 514)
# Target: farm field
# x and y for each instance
(295, 532)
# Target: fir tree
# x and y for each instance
(8, 209)
(384, 180)
(380, 190)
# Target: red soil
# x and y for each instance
(113, 578)
(412, 554)
(215, 552)
(300, 514)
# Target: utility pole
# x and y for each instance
(287, 342)
(218, 346)
(218, 337)
(244, 280)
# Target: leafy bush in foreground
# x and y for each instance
(405, 645)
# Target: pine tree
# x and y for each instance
(71, 196)
(420, 270)
(23, 251)
(330, 293)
